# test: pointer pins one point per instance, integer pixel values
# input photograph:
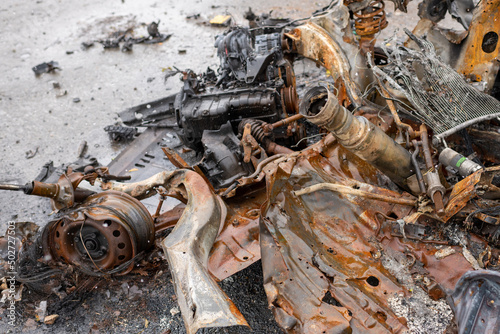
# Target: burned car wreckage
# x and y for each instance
(387, 167)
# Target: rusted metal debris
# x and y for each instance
(127, 38)
(389, 200)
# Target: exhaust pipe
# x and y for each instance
(357, 134)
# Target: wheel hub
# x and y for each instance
(103, 235)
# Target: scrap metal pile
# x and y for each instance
(400, 194)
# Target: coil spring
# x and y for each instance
(257, 132)
(371, 19)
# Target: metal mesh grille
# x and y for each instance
(442, 99)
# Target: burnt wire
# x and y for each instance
(392, 98)
(492, 211)
(86, 250)
(38, 277)
(307, 138)
(28, 268)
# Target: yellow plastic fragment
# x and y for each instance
(221, 20)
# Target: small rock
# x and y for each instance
(124, 286)
(76, 99)
(134, 293)
(86, 45)
(30, 324)
(174, 311)
(62, 94)
(229, 279)
(50, 319)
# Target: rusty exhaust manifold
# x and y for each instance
(357, 134)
